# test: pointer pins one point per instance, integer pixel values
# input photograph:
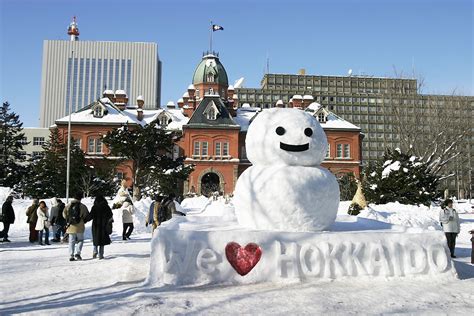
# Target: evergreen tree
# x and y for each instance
(150, 150)
(347, 186)
(47, 174)
(400, 177)
(11, 156)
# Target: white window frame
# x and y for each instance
(204, 149)
(38, 141)
(218, 149)
(321, 118)
(328, 152)
(197, 148)
(225, 149)
(339, 152)
(94, 143)
(346, 151)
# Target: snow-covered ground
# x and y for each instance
(41, 280)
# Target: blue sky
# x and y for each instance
(324, 37)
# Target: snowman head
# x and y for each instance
(285, 137)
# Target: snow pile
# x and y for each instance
(286, 189)
(389, 167)
(195, 204)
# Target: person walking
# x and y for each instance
(101, 215)
(42, 224)
(32, 218)
(449, 219)
(75, 214)
(8, 217)
(152, 218)
(127, 219)
(58, 221)
(170, 206)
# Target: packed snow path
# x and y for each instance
(41, 280)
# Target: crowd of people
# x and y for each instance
(68, 221)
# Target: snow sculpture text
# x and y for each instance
(199, 257)
(286, 189)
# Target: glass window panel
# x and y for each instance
(218, 149)
(347, 151)
(339, 151)
(225, 151)
(196, 149)
(204, 148)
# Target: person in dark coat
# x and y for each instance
(101, 216)
(8, 216)
(32, 218)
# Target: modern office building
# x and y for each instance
(382, 108)
(76, 73)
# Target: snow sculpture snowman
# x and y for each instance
(286, 189)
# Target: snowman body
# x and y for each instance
(286, 189)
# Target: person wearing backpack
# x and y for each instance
(32, 218)
(101, 215)
(75, 214)
(58, 220)
(168, 208)
(127, 219)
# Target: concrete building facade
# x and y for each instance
(376, 105)
(75, 73)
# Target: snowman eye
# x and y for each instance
(308, 132)
(280, 130)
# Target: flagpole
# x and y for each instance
(210, 41)
(68, 157)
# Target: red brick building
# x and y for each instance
(214, 137)
(214, 127)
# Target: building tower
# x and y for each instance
(73, 30)
(75, 73)
(210, 77)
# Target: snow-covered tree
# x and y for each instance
(47, 174)
(400, 177)
(11, 156)
(150, 150)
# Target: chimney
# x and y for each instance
(170, 105)
(230, 92)
(290, 103)
(140, 114)
(280, 104)
(140, 102)
(297, 101)
(180, 103)
(121, 99)
(188, 110)
(307, 100)
(109, 94)
(185, 97)
(302, 72)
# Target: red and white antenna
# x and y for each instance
(73, 30)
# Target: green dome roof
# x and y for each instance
(210, 70)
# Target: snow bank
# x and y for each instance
(211, 247)
(198, 257)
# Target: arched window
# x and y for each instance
(211, 114)
(210, 77)
(321, 118)
(98, 111)
(211, 91)
(164, 120)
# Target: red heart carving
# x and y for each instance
(243, 259)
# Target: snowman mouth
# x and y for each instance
(295, 148)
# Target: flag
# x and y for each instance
(216, 27)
